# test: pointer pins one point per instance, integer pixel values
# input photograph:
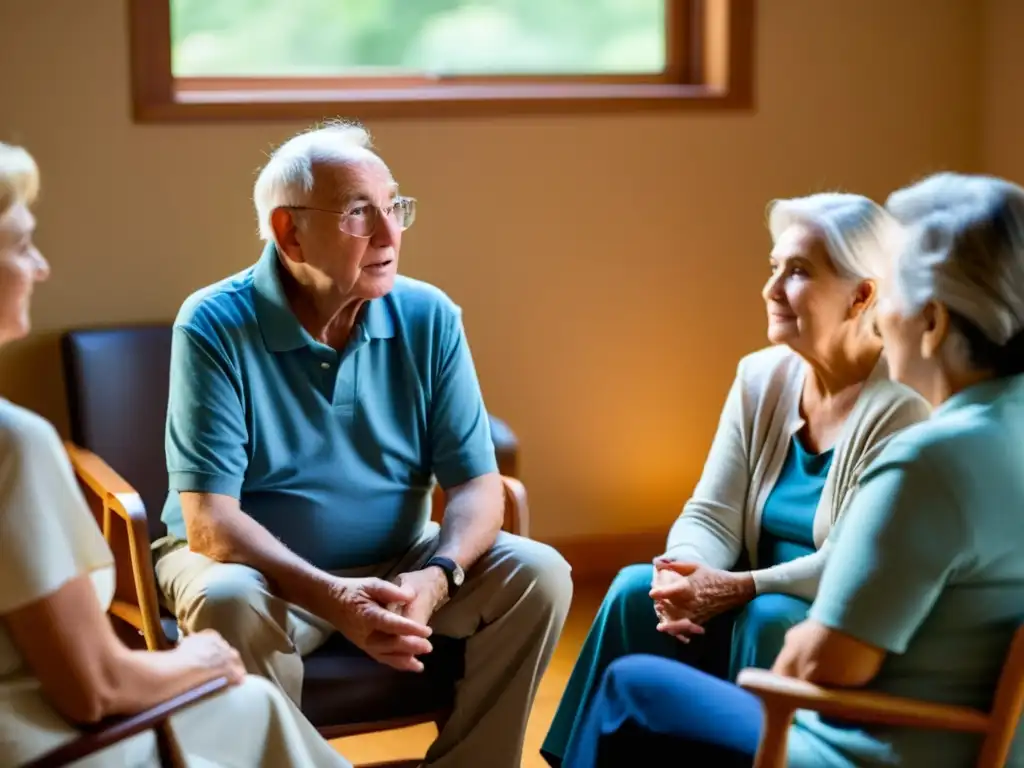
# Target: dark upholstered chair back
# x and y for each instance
(117, 382)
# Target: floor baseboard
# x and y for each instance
(599, 558)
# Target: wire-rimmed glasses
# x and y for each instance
(361, 219)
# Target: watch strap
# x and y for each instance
(448, 566)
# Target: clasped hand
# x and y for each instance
(686, 595)
(388, 621)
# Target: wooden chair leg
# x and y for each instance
(771, 752)
(167, 747)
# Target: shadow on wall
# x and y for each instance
(31, 376)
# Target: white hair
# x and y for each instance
(855, 229)
(963, 246)
(287, 178)
(19, 177)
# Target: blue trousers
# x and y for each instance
(626, 625)
(650, 710)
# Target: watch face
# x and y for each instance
(458, 575)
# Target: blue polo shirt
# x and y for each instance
(335, 453)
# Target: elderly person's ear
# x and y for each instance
(282, 223)
(864, 297)
(936, 318)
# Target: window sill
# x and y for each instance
(204, 104)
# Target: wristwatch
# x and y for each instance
(452, 571)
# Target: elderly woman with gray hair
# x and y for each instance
(62, 667)
(924, 587)
(802, 420)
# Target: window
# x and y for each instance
(287, 59)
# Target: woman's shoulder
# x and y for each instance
(774, 367)
(23, 432)
(961, 435)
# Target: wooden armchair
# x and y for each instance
(782, 696)
(116, 730)
(117, 389)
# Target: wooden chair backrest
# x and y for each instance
(1006, 707)
(515, 509)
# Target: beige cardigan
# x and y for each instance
(761, 415)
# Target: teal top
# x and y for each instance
(928, 564)
(335, 453)
(787, 521)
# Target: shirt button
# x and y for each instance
(325, 366)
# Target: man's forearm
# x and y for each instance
(472, 519)
(221, 531)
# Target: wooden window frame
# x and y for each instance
(716, 72)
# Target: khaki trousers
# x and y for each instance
(510, 610)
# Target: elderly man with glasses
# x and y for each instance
(314, 398)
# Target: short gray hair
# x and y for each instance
(854, 228)
(963, 245)
(287, 178)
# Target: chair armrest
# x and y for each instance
(517, 511)
(117, 498)
(122, 499)
(858, 705)
(782, 696)
(115, 730)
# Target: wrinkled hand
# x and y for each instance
(667, 581)
(685, 604)
(358, 610)
(430, 589)
(208, 650)
(664, 578)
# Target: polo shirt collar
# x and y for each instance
(376, 320)
(983, 392)
(282, 331)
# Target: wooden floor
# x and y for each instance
(413, 742)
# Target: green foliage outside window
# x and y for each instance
(416, 37)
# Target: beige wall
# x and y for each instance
(609, 267)
(1003, 88)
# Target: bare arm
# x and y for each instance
(218, 528)
(472, 519)
(462, 450)
(817, 654)
(84, 669)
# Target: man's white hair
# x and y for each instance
(19, 177)
(963, 245)
(855, 229)
(287, 178)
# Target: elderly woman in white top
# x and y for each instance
(802, 420)
(61, 665)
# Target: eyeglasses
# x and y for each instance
(361, 221)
